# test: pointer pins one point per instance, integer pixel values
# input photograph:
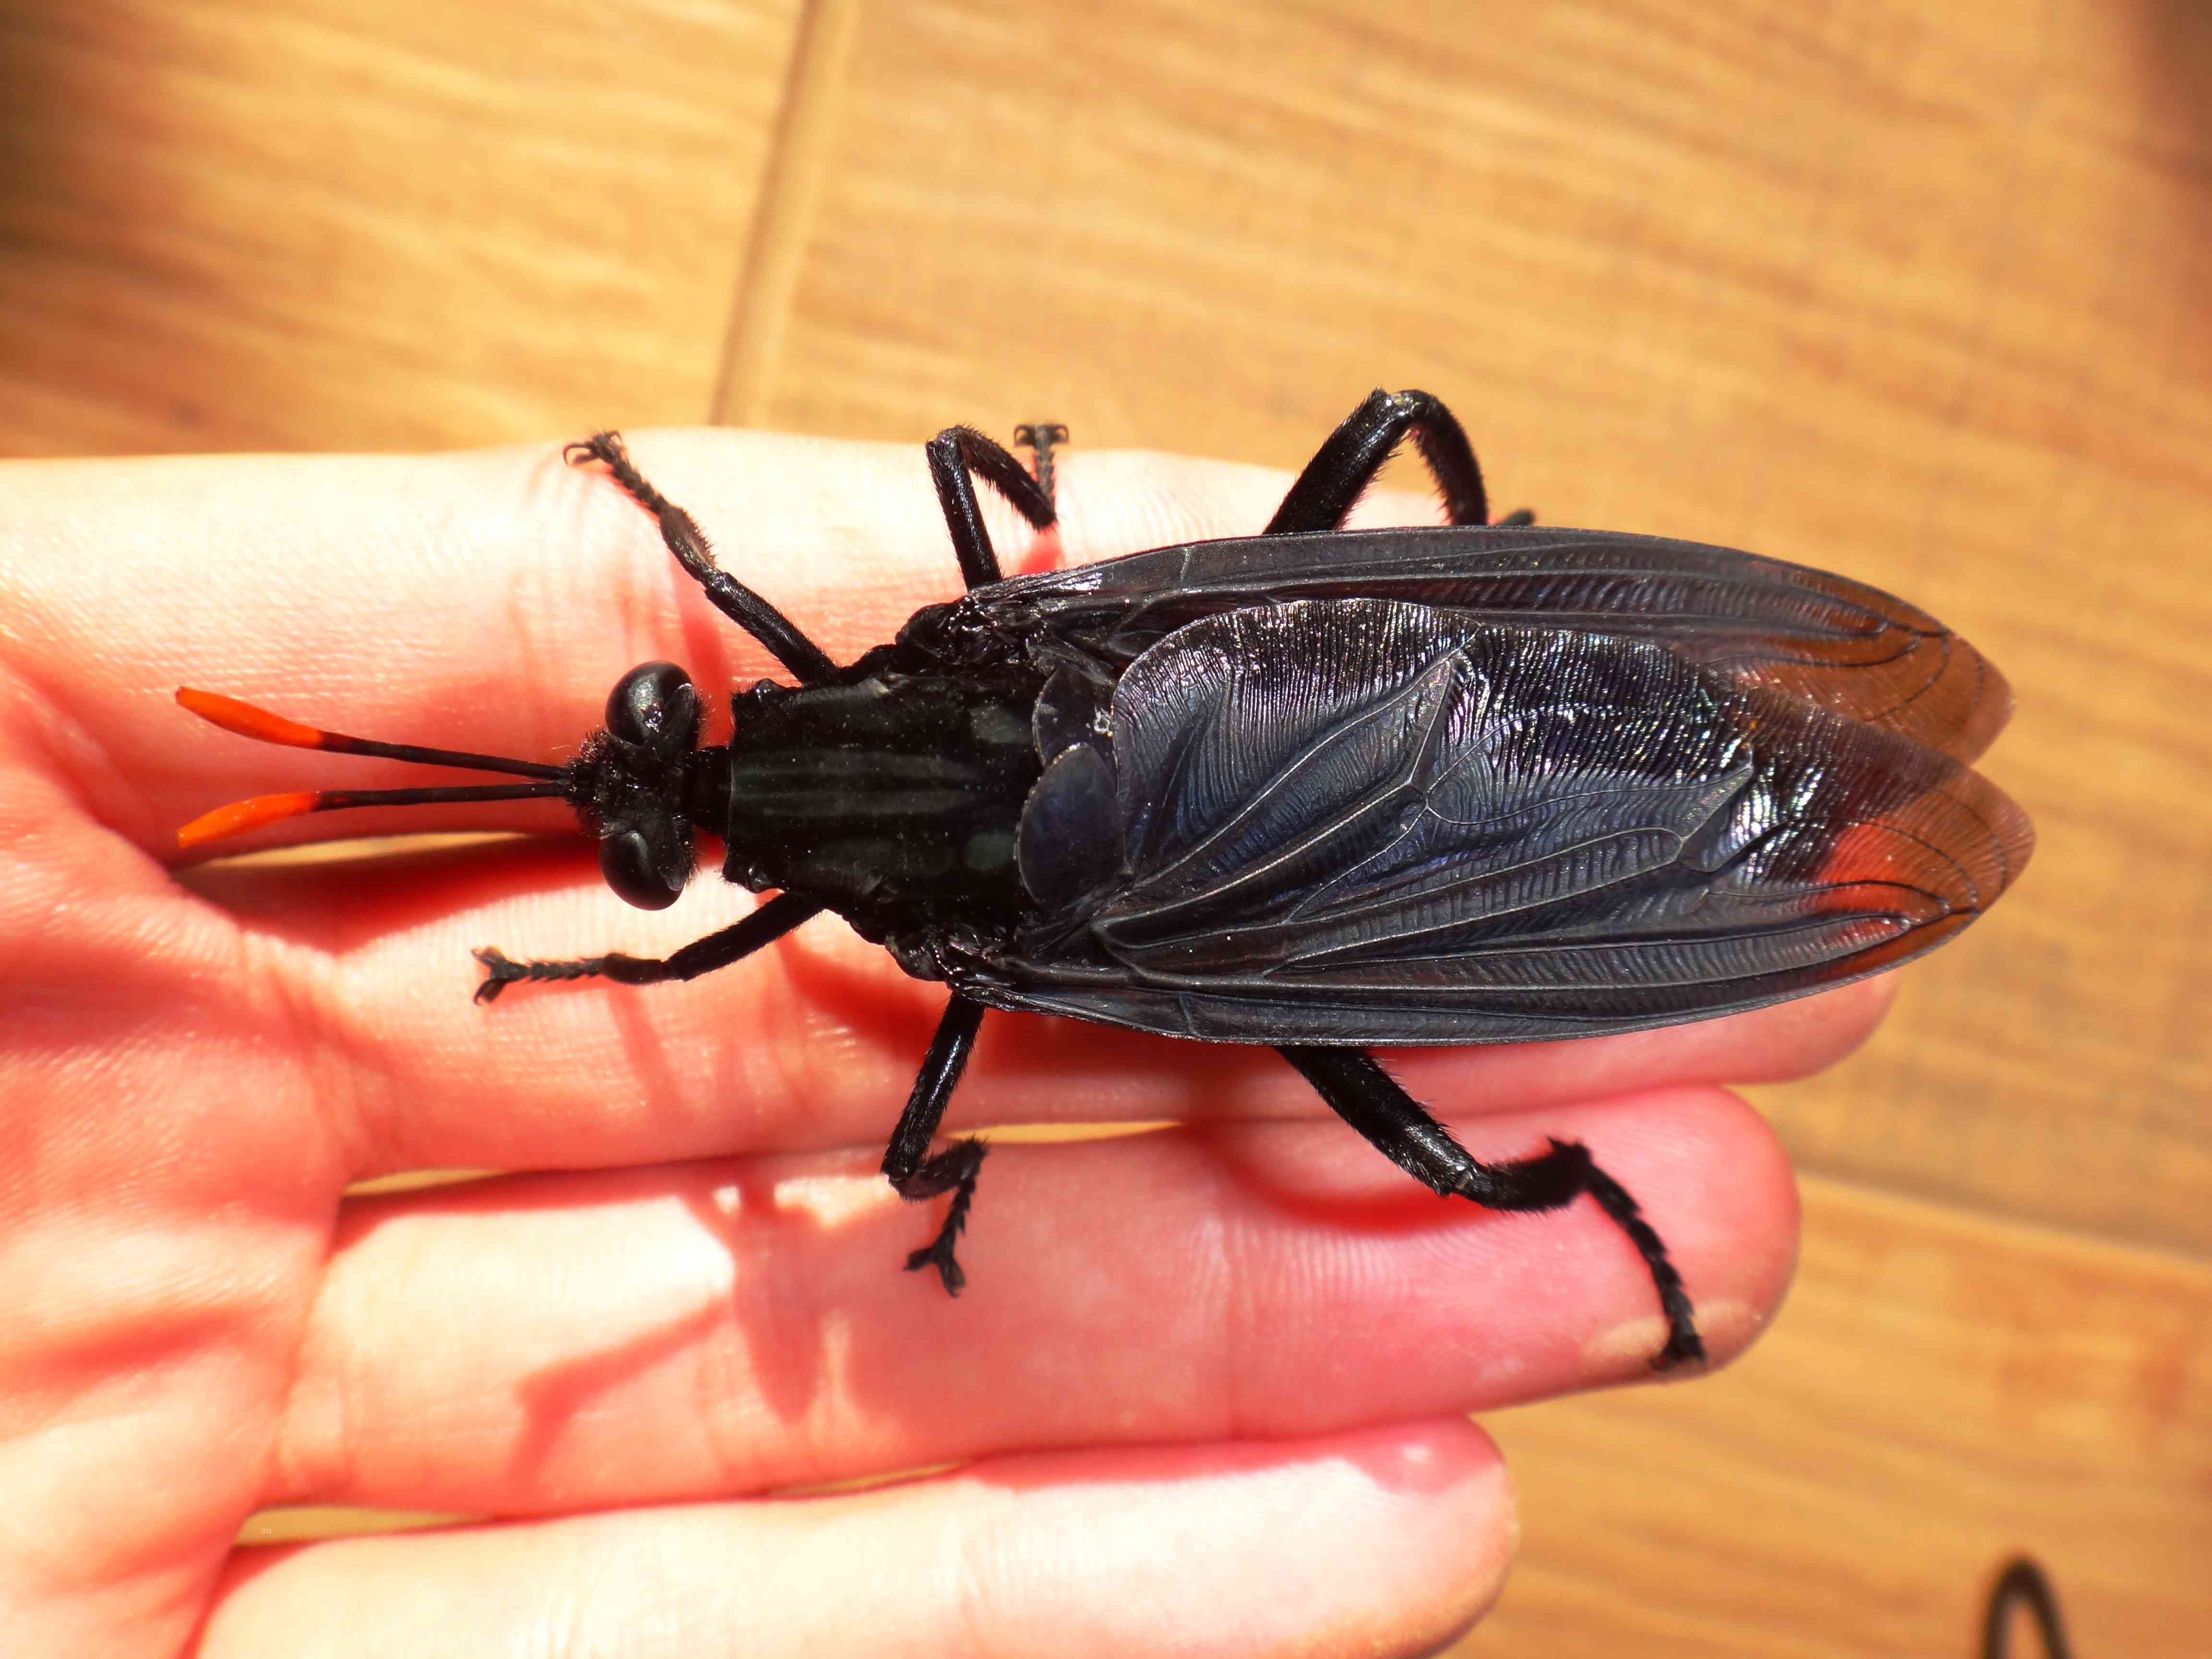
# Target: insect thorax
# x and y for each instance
(892, 796)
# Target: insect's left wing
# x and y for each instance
(1367, 821)
(1840, 645)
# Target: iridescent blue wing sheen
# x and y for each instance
(1363, 820)
(1839, 644)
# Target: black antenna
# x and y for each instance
(248, 722)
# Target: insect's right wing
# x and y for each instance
(1839, 644)
(1360, 821)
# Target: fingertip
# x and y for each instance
(1398, 1538)
(1808, 1035)
(1387, 1540)
(1717, 1180)
(1482, 1514)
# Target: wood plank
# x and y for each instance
(330, 223)
(1918, 292)
(1941, 1390)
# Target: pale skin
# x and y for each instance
(1206, 1387)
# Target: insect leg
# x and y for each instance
(769, 923)
(914, 1174)
(2022, 1582)
(1346, 463)
(959, 451)
(1365, 1096)
(809, 664)
(1039, 438)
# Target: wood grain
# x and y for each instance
(315, 224)
(1916, 292)
(1943, 1390)
(1920, 291)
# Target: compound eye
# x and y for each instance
(655, 707)
(648, 876)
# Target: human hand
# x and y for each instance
(1207, 1385)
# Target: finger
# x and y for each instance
(483, 602)
(814, 1042)
(377, 575)
(652, 1335)
(1384, 1541)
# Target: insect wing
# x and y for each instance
(1368, 821)
(1839, 644)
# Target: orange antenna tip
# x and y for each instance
(247, 721)
(243, 815)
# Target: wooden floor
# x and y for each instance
(1920, 290)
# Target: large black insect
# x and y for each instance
(1314, 788)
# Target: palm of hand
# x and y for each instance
(1178, 1347)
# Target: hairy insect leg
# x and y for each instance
(769, 923)
(957, 456)
(806, 660)
(1368, 1098)
(1346, 463)
(913, 1173)
(1041, 438)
